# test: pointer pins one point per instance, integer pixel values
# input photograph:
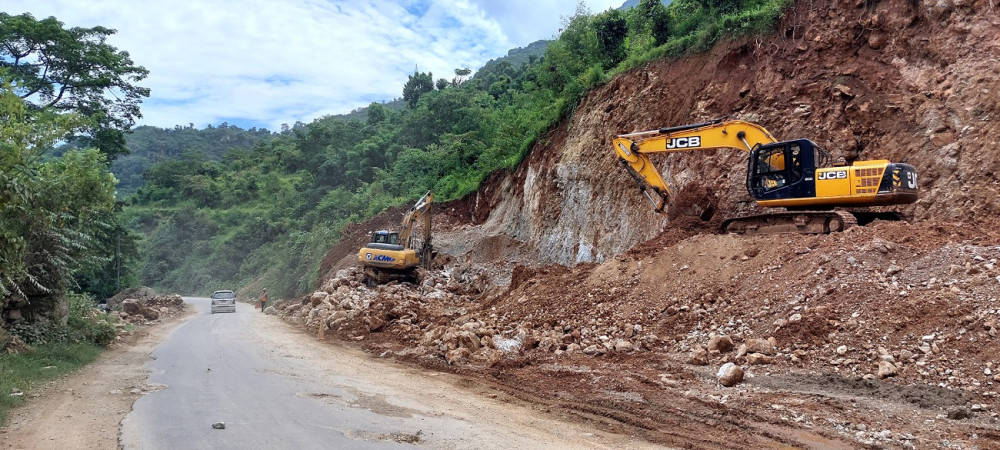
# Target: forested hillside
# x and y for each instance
(264, 216)
(148, 145)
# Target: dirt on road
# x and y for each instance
(880, 336)
(84, 410)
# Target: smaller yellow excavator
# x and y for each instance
(395, 255)
(790, 174)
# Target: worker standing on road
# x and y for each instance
(263, 300)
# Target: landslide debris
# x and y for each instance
(560, 286)
(889, 326)
(142, 305)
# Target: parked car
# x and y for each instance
(223, 301)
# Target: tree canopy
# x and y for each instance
(75, 70)
(52, 212)
(417, 84)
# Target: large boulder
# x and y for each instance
(720, 344)
(131, 307)
(698, 357)
(886, 369)
(730, 374)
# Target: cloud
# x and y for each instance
(264, 62)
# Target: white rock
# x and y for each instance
(886, 369)
(730, 374)
(623, 346)
(842, 350)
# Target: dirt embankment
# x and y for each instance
(562, 284)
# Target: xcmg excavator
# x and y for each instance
(395, 255)
(790, 174)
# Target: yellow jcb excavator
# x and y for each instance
(790, 174)
(395, 255)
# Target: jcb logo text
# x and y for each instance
(688, 142)
(834, 175)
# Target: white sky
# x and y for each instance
(267, 62)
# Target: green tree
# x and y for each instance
(377, 114)
(418, 84)
(50, 211)
(74, 70)
(460, 75)
(119, 269)
(655, 20)
(612, 29)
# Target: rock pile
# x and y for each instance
(149, 309)
(441, 318)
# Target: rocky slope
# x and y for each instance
(559, 283)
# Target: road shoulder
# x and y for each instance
(84, 409)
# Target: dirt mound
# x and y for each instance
(564, 287)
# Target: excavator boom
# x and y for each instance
(633, 149)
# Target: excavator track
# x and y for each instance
(375, 276)
(801, 222)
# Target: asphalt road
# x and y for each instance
(276, 388)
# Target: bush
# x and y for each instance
(86, 324)
(37, 333)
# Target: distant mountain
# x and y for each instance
(517, 56)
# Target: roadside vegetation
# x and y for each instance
(38, 352)
(61, 243)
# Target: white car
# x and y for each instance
(223, 301)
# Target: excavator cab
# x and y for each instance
(783, 170)
(385, 240)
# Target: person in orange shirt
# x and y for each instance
(263, 300)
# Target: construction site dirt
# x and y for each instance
(557, 285)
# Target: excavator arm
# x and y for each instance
(633, 149)
(419, 211)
